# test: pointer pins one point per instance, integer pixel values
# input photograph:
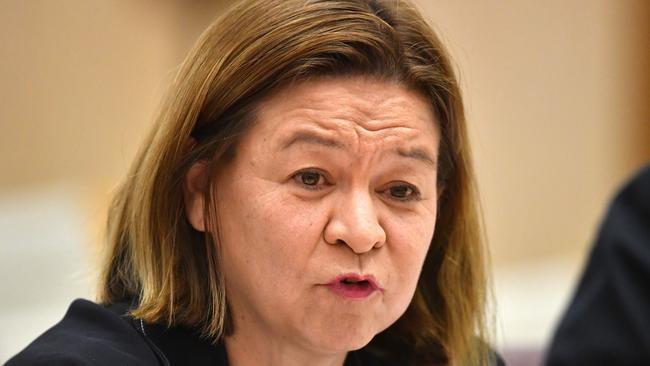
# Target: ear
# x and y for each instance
(193, 194)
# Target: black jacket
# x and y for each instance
(608, 321)
(91, 334)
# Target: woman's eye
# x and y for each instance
(404, 192)
(309, 179)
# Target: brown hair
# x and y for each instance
(258, 46)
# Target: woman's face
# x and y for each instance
(334, 184)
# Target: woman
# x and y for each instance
(306, 197)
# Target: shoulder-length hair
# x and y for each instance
(258, 46)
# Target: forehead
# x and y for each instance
(350, 110)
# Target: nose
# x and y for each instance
(355, 223)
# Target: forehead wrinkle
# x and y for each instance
(403, 137)
(308, 126)
(368, 121)
(361, 126)
(371, 113)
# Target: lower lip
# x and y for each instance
(352, 291)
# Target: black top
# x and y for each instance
(608, 321)
(91, 334)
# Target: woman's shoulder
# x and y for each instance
(89, 334)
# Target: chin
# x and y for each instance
(347, 340)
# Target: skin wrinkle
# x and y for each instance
(324, 117)
(309, 137)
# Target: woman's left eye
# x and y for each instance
(404, 192)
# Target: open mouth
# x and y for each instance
(353, 286)
(348, 281)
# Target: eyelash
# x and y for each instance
(414, 194)
(297, 177)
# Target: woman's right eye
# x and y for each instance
(310, 179)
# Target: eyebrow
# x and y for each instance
(418, 154)
(308, 137)
(311, 138)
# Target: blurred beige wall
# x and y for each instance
(80, 83)
(557, 95)
(80, 80)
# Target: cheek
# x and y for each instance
(411, 234)
(409, 243)
(271, 233)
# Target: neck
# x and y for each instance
(261, 349)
